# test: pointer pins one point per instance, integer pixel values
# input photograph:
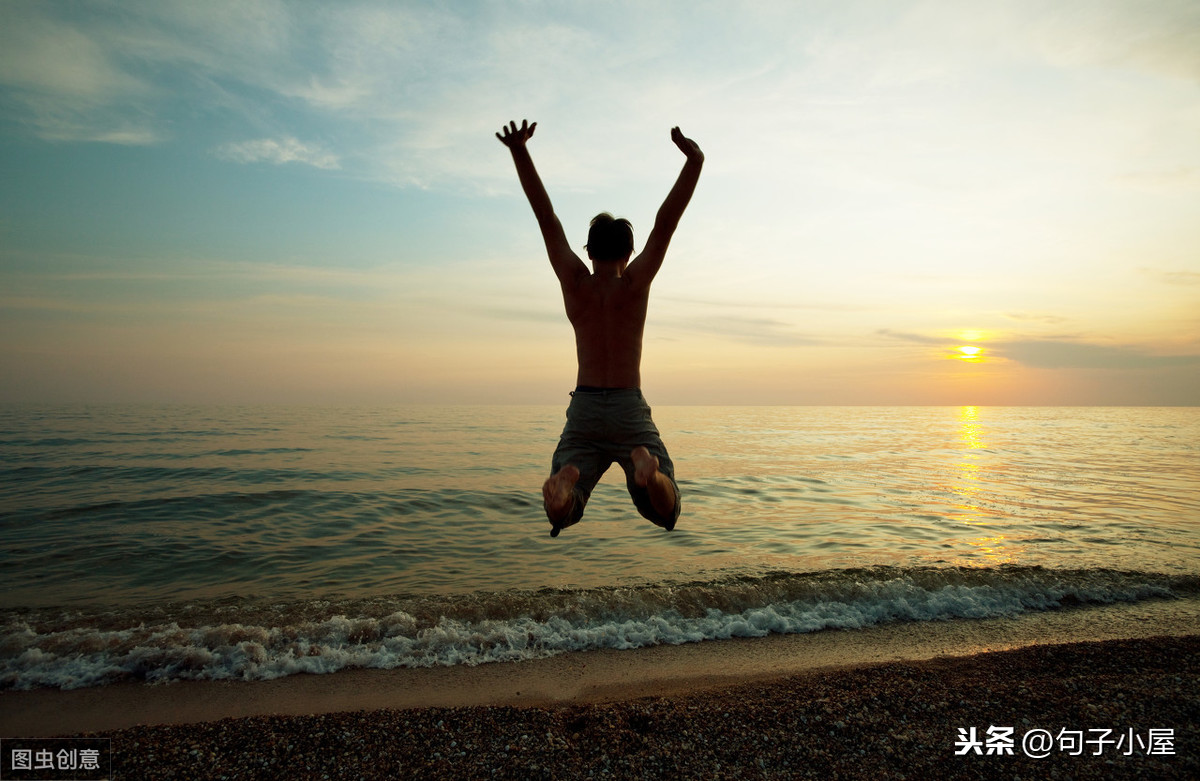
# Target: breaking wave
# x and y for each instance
(248, 640)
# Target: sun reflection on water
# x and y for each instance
(970, 429)
(969, 487)
(968, 470)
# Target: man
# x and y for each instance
(608, 419)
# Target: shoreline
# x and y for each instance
(580, 678)
(877, 720)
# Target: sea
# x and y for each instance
(164, 543)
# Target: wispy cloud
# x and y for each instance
(1036, 317)
(1177, 178)
(41, 54)
(1171, 277)
(1080, 355)
(764, 305)
(912, 337)
(1061, 353)
(115, 73)
(1158, 37)
(761, 331)
(416, 89)
(521, 315)
(66, 84)
(279, 151)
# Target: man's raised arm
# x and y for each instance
(567, 265)
(646, 265)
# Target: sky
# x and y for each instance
(257, 201)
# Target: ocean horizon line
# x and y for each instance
(468, 404)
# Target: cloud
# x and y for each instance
(415, 90)
(1050, 354)
(760, 331)
(1180, 177)
(1174, 277)
(278, 151)
(1036, 317)
(58, 123)
(777, 304)
(911, 337)
(1062, 353)
(122, 72)
(521, 315)
(40, 54)
(1161, 37)
(66, 84)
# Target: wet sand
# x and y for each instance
(893, 720)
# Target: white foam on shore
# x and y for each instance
(82, 655)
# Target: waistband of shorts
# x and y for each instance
(594, 389)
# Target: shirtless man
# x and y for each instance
(608, 419)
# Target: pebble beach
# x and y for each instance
(895, 720)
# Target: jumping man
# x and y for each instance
(608, 419)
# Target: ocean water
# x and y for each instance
(164, 543)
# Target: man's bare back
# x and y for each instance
(607, 308)
(608, 314)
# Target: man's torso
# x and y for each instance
(609, 317)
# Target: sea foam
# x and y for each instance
(255, 642)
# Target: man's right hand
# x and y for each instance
(686, 145)
(515, 137)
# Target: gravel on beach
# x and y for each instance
(888, 721)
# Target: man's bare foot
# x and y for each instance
(645, 466)
(660, 487)
(558, 494)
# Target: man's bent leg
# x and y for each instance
(649, 472)
(558, 496)
(663, 496)
(651, 483)
(576, 467)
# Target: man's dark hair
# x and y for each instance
(610, 238)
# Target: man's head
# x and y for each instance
(610, 238)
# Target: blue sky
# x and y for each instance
(305, 202)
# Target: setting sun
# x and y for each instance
(970, 353)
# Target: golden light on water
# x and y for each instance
(970, 429)
(967, 486)
(971, 490)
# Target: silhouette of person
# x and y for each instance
(608, 419)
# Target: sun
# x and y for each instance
(966, 345)
(970, 354)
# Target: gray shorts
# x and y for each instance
(603, 426)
